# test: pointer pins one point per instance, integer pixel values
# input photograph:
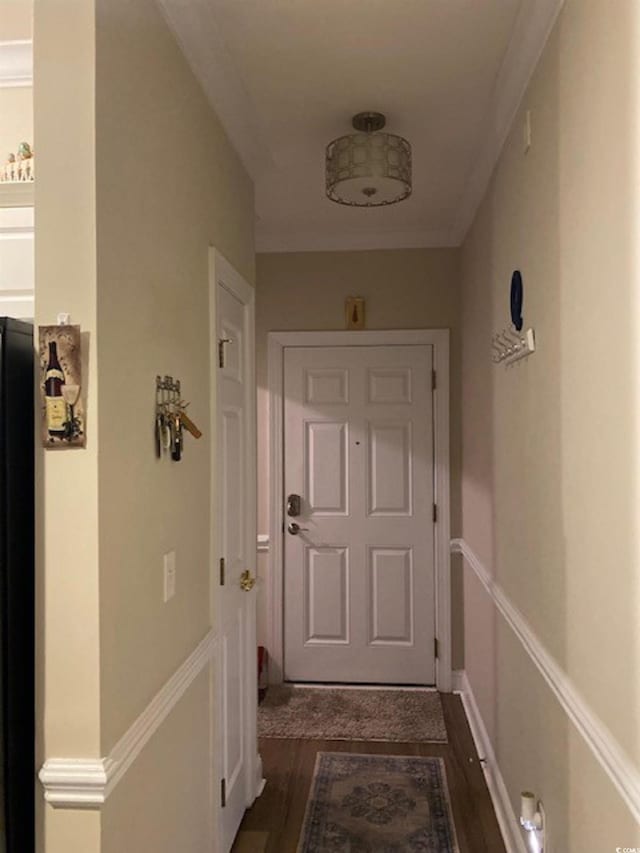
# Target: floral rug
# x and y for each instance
(338, 713)
(378, 804)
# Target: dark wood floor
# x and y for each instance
(273, 824)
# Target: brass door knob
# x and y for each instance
(247, 583)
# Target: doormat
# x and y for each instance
(378, 804)
(335, 713)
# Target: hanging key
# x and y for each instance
(176, 447)
(189, 425)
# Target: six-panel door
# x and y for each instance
(359, 575)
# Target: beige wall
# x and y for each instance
(16, 21)
(155, 223)
(16, 119)
(16, 104)
(123, 241)
(154, 809)
(68, 654)
(404, 289)
(550, 446)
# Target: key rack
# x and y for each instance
(171, 419)
(509, 346)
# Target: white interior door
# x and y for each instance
(359, 589)
(235, 550)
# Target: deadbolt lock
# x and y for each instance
(294, 505)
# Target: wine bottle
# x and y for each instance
(56, 408)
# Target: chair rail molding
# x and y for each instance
(622, 772)
(87, 782)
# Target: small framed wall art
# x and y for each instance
(63, 420)
(354, 312)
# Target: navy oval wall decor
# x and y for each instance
(517, 299)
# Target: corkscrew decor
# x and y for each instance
(63, 418)
(171, 419)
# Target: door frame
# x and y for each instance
(439, 340)
(222, 272)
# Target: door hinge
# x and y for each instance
(221, 343)
(222, 567)
(433, 380)
(436, 648)
(223, 792)
(435, 513)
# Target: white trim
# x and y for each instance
(16, 64)
(262, 544)
(439, 340)
(531, 31)
(506, 817)
(203, 45)
(87, 782)
(622, 772)
(223, 274)
(457, 680)
(347, 241)
(305, 685)
(18, 194)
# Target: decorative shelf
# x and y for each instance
(18, 194)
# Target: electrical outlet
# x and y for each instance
(169, 575)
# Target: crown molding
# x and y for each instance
(87, 782)
(193, 24)
(345, 241)
(197, 33)
(531, 31)
(617, 765)
(16, 64)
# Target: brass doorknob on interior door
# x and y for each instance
(294, 528)
(247, 583)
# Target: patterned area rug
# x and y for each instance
(378, 804)
(312, 713)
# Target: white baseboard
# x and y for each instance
(87, 782)
(620, 769)
(507, 820)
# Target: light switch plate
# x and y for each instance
(169, 575)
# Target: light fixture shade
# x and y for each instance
(368, 169)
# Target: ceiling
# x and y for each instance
(285, 77)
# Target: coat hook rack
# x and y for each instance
(171, 418)
(509, 346)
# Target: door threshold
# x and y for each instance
(323, 685)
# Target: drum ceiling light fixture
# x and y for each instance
(368, 168)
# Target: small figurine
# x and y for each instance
(24, 151)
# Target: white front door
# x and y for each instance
(235, 549)
(359, 597)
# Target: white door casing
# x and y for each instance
(439, 341)
(17, 276)
(234, 525)
(359, 575)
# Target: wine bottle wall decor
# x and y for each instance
(63, 423)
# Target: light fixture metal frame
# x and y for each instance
(367, 127)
